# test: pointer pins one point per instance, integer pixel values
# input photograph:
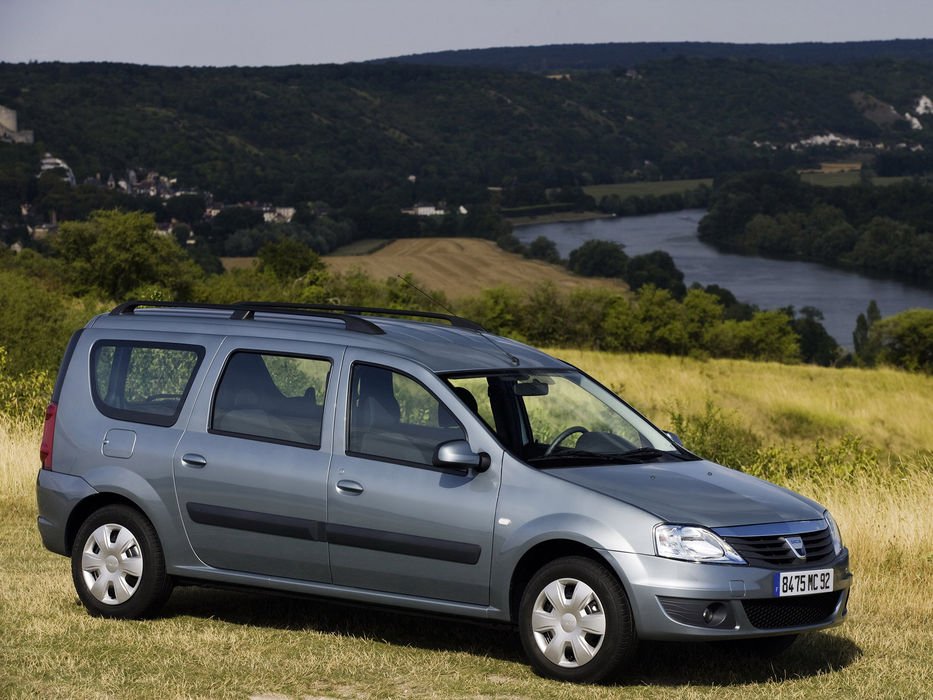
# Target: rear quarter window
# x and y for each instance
(143, 382)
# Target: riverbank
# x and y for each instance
(770, 284)
(565, 217)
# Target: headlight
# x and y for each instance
(693, 544)
(833, 532)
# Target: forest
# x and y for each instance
(557, 57)
(352, 135)
(883, 231)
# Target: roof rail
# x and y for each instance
(246, 310)
(455, 321)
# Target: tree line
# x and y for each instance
(884, 231)
(116, 255)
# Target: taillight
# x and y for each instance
(48, 436)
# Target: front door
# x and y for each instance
(251, 469)
(397, 523)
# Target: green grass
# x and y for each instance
(219, 644)
(557, 218)
(845, 178)
(657, 189)
(642, 189)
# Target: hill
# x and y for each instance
(461, 267)
(558, 57)
(352, 135)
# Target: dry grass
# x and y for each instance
(212, 644)
(462, 267)
(889, 409)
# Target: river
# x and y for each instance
(770, 284)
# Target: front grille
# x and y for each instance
(791, 612)
(771, 551)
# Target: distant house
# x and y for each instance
(50, 163)
(425, 210)
(42, 231)
(278, 215)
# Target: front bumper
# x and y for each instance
(678, 600)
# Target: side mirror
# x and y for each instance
(457, 454)
(674, 438)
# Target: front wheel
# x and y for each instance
(117, 564)
(575, 621)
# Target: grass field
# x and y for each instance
(888, 409)
(557, 218)
(215, 644)
(642, 189)
(848, 174)
(844, 178)
(461, 267)
(238, 263)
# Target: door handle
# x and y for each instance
(192, 460)
(346, 486)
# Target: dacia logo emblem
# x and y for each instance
(796, 546)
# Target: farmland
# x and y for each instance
(462, 267)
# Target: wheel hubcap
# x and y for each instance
(568, 622)
(112, 564)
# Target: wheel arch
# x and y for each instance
(89, 505)
(543, 553)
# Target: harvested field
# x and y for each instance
(462, 267)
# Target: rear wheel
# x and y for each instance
(575, 621)
(117, 564)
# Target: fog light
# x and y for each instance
(714, 614)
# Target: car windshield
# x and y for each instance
(552, 418)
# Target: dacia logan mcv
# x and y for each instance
(412, 460)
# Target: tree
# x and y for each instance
(288, 259)
(817, 346)
(116, 253)
(905, 340)
(655, 268)
(598, 259)
(864, 344)
(33, 325)
(543, 248)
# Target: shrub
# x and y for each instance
(716, 436)
(23, 396)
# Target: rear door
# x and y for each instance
(396, 523)
(251, 469)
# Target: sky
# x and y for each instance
(282, 32)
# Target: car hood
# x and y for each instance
(694, 493)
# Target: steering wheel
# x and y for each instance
(563, 435)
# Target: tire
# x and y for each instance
(117, 564)
(575, 622)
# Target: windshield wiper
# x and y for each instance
(639, 454)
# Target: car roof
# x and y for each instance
(440, 348)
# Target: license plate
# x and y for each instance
(803, 582)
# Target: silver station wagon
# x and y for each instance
(411, 460)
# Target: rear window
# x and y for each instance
(142, 382)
